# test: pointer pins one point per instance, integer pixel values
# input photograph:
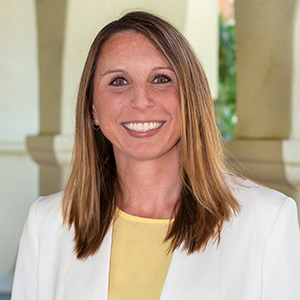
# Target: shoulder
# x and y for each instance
(45, 224)
(46, 204)
(50, 203)
(47, 209)
(263, 205)
(247, 190)
(250, 193)
(45, 250)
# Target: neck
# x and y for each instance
(149, 188)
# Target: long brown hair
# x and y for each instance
(205, 202)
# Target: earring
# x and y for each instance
(96, 127)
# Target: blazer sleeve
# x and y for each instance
(25, 278)
(281, 265)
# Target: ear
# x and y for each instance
(95, 117)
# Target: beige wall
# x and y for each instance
(18, 118)
(18, 70)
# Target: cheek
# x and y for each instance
(103, 106)
(105, 119)
(174, 106)
(108, 113)
(106, 126)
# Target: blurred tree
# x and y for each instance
(225, 104)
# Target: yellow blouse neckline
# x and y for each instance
(137, 219)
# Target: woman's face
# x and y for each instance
(136, 99)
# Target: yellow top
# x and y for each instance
(139, 260)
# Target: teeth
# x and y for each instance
(143, 127)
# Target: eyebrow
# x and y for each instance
(112, 71)
(163, 68)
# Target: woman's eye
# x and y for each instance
(162, 79)
(118, 81)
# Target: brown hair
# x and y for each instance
(205, 202)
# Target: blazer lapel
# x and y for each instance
(88, 279)
(193, 276)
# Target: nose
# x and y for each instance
(141, 98)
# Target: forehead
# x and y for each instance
(127, 36)
(126, 45)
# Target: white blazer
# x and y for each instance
(258, 256)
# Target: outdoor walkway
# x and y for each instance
(5, 286)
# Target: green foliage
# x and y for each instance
(226, 102)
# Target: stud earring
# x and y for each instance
(96, 127)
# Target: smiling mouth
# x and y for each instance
(142, 127)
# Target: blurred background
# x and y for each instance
(250, 51)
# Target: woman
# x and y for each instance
(150, 211)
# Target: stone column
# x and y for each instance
(267, 140)
(51, 25)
